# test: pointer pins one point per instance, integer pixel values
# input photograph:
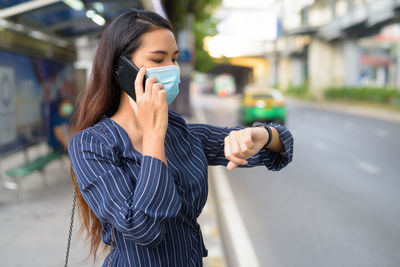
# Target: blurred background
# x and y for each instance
(327, 69)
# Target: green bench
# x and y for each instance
(30, 166)
(35, 165)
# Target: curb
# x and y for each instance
(232, 234)
(209, 221)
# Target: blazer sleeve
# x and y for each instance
(138, 203)
(212, 139)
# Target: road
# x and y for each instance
(336, 204)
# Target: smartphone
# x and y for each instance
(125, 75)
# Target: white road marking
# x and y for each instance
(244, 250)
(367, 167)
(381, 133)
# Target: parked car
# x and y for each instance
(262, 104)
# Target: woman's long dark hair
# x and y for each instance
(102, 96)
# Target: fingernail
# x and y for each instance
(228, 166)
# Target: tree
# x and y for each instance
(204, 25)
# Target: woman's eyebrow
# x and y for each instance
(163, 52)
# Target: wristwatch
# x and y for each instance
(258, 123)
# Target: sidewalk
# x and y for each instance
(34, 232)
(369, 112)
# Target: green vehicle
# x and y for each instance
(262, 104)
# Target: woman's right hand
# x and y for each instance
(152, 114)
(152, 108)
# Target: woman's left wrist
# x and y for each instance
(267, 132)
(270, 135)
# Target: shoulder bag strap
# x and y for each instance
(70, 234)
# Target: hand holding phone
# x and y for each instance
(125, 76)
(151, 110)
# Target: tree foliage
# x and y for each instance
(204, 24)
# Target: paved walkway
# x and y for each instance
(34, 231)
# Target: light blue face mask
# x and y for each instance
(169, 76)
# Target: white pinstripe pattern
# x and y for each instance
(154, 208)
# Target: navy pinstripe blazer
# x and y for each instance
(154, 208)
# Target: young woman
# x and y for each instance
(141, 170)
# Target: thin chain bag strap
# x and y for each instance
(71, 225)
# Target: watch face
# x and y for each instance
(257, 123)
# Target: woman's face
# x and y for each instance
(158, 49)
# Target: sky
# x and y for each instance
(244, 28)
(248, 26)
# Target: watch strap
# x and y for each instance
(266, 126)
